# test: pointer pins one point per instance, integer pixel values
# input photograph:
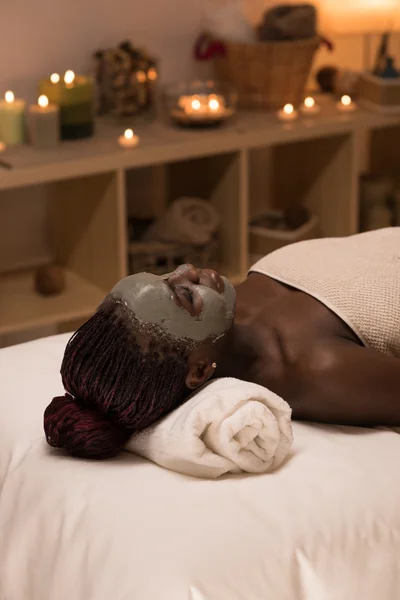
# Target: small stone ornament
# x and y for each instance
(49, 280)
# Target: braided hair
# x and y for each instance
(115, 386)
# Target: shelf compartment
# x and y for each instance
(23, 309)
(319, 174)
(87, 236)
(220, 179)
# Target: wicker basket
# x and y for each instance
(267, 74)
(160, 258)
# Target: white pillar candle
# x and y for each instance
(44, 124)
(128, 140)
(288, 113)
(12, 120)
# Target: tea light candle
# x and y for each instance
(129, 139)
(202, 106)
(12, 120)
(288, 113)
(74, 94)
(43, 124)
(310, 107)
(346, 104)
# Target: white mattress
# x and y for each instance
(325, 527)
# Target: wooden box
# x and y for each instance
(380, 95)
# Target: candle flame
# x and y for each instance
(152, 74)
(213, 104)
(69, 77)
(288, 109)
(43, 101)
(9, 97)
(309, 102)
(196, 104)
(128, 134)
(141, 76)
(346, 100)
(54, 78)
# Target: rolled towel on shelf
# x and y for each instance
(228, 426)
(186, 221)
(226, 20)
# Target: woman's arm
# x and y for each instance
(350, 385)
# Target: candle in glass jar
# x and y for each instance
(203, 106)
(43, 124)
(12, 120)
(74, 94)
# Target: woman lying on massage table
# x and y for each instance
(318, 323)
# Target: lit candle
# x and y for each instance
(129, 139)
(346, 104)
(310, 107)
(200, 106)
(43, 124)
(12, 120)
(69, 78)
(288, 113)
(74, 94)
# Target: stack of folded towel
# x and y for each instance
(229, 426)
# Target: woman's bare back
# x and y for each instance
(293, 344)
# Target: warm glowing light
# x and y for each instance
(358, 16)
(54, 78)
(152, 74)
(309, 102)
(69, 77)
(141, 76)
(128, 140)
(43, 101)
(213, 104)
(345, 100)
(288, 109)
(196, 104)
(9, 97)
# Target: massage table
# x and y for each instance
(325, 526)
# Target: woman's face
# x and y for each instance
(189, 303)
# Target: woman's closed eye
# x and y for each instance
(189, 294)
(189, 299)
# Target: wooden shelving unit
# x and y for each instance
(253, 163)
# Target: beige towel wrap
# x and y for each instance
(357, 277)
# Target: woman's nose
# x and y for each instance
(185, 273)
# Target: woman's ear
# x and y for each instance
(199, 372)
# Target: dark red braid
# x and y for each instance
(114, 387)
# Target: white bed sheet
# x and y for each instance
(324, 527)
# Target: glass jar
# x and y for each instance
(200, 103)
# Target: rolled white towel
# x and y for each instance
(229, 426)
(187, 221)
(226, 20)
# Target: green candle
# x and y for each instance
(12, 120)
(75, 96)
